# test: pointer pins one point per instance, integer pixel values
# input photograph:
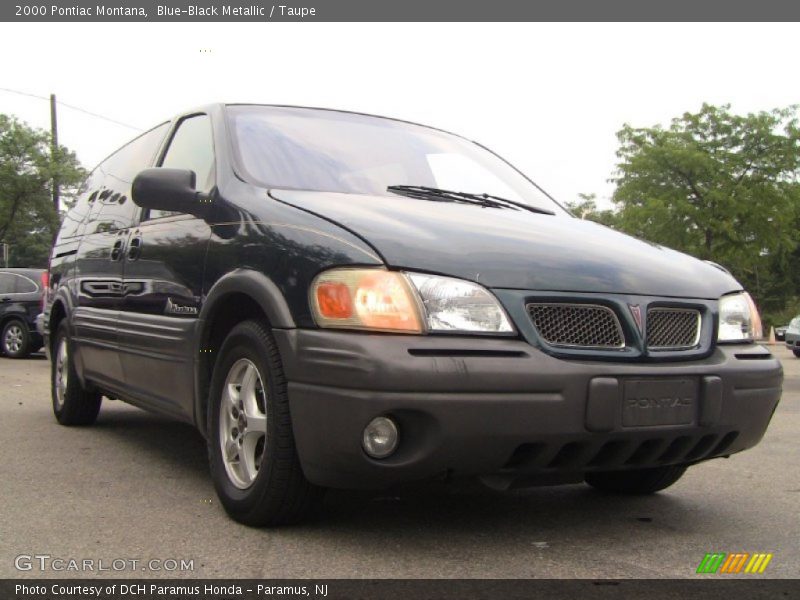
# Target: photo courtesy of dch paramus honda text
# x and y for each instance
(342, 300)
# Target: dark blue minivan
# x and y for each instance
(342, 300)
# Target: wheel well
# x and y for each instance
(228, 311)
(12, 317)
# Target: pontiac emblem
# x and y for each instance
(636, 311)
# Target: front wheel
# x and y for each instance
(796, 353)
(72, 403)
(16, 339)
(636, 482)
(254, 463)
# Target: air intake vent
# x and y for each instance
(672, 328)
(577, 325)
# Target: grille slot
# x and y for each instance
(672, 328)
(725, 443)
(577, 325)
(702, 447)
(569, 454)
(646, 451)
(610, 453)
(676, 449)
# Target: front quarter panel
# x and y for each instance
(284, 243)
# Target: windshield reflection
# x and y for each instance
(332, 151)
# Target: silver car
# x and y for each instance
(793, 336)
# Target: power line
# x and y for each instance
(70, 106)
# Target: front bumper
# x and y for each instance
(792, 341)
(40, 324)
(469, 406)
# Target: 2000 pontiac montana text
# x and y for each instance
(342, 300)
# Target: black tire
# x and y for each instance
(636, 482)
(796, 353)
(16, 339)
(279, 494)
(76, 405)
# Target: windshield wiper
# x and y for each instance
(487, 200)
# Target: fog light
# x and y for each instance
(380, 437)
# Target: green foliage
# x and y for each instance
(721, 187)
(783, 316)
(586, 208)
(28, 220)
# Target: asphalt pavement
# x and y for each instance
(135, 487)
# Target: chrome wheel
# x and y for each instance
(61, 372)
(14, 339)
(243, 423)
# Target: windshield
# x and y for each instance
(331, 151)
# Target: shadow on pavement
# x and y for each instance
(429, 509)
(166, 442)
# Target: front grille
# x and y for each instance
(577, 325)
(626, 452)
(672, 328)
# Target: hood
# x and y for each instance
(505, 248)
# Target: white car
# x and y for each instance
(793, 336)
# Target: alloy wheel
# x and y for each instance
(14, 339)
(243, 423)
(61, 372)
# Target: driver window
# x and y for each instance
(192, 147)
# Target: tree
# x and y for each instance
(28, 220)
(586, 208)
(720, 186)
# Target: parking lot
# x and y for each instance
(136, 487)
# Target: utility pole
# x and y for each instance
(54, 147)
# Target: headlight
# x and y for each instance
(380, 300)
(457, 305)
(739, 320)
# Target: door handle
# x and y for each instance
(135, 248)
(116, 250)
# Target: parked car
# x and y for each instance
(780, 333)
(342, 300)
(21, 293)
(792, 336)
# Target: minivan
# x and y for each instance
(338, 300)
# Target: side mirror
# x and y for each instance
(169, 189)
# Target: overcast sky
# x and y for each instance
(548, 97)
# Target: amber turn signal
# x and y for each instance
(373, 299)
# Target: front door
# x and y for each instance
(162, 285)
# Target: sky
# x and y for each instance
(547, 97)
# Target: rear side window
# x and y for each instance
(76, 216)
(192, 147)
(6, 283)
(111, 208)
(12, 283)
(23, 285)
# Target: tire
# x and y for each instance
(16, 339)
(252, 454)
(636, 482)
(796, 353)
(72, 403)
